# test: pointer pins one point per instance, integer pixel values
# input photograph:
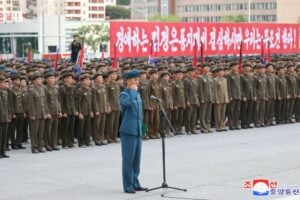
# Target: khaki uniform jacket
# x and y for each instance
(144, 92)
(234, 86)
(178, 94)
(100, 98)
(5, 107)
(52, 99)
(205, 88)
(113, 92)
(67, 96)
(291, 82)
(260, 87)
(166, 95)
(84, 100)
(37, 104)
(280, 85)
(155, 90)
(220, 90)
(271, 86)
(17, 100)
(247, 86)
(191, 93)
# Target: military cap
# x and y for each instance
(178, 70)
(259, 65)
(2, 68)
(281, 66)
(189, 69)
(205, 65)
(270, 64)
(66, 74)
(23, 78)
(143, 71)
(48, 74)
(247, 65)
(119, 76)
(35, 75)
(2, 78)
(152, 71)
(233, 64)
(163, 73)
(132, 74)
(290, 64)
(111, 71)
(217, 69)
(97, 75)
(15, 75)
(83, 76)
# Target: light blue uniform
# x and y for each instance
(131, 137)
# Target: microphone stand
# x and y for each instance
(164, 184)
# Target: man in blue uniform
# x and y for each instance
(131, 132)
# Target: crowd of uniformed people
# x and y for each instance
(63, 107)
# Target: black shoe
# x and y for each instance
(20, 146)
(130, 191)
(98, 144)
(42, 151)
(35, 151)
(48, 149)
(224, 129)
(15, 147)
(250, 126)
(5, 156)
(55, 149)
(141, 189)
(244, 127)
(231, 128)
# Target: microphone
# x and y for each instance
(155, 98)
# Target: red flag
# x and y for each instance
(202, 53)
(156, 52)
(195, 54)
(81, 56)
(102, 52)
(114, 64)
(262, 54)
(56, 60)
(241, 57)
(28, 55)
(269, 52)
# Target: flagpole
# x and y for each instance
(241, 57)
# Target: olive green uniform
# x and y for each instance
(192, 102)
(112, 125)
(54, 109)
(36, 109)
(179, 105)
(101, 106)
(205, 99)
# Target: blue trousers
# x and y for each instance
(131, 159)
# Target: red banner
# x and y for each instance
(134, 39)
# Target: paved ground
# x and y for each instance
(212, 166)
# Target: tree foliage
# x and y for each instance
(234, 18)
(117, 12)
(123, 2)
(164, 18)
(93, 35)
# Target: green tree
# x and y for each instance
(234, 18)
(117, 12)
(123, 2)
(93, 35)
(164, 18)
